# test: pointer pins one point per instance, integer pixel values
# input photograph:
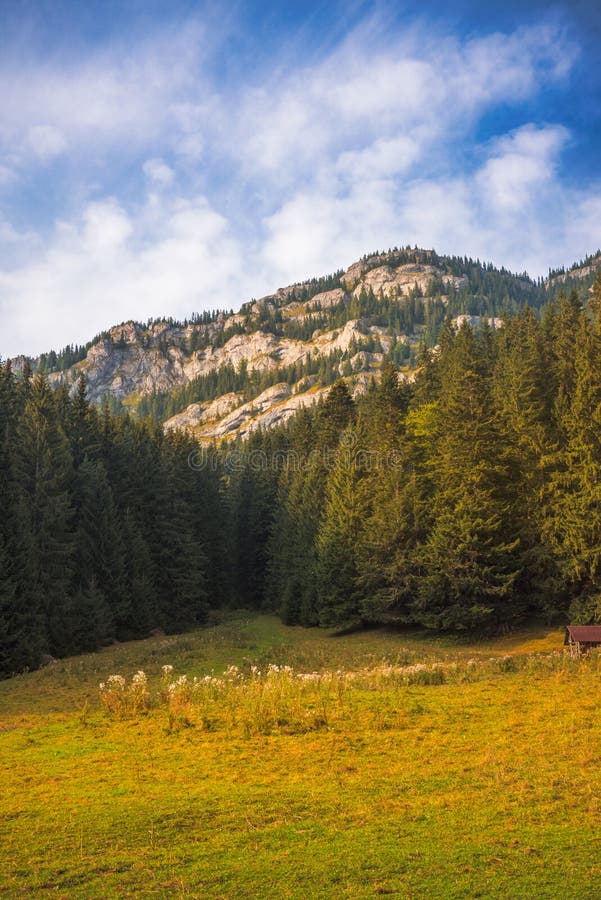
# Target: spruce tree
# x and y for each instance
(43, 467)
(573, 524)
(99, 557)
(344, 513)
(469, 559)
(179, 556)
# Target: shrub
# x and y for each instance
(276, 698)
(120, 699)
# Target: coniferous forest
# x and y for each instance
(465, 499)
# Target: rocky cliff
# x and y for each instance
(224, 374)
(585, 270)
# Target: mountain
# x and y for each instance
(224, 374)
(583, 271)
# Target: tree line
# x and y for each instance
(466, 499)
(103, 533)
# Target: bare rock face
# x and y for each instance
(401, 280)
(353, 274)
(256, 351)
(274, 406)
(338, 339)
(132, 360)
(326, 299)
(186, 420)
(133, 368)
(577, 272)
(128, 333)
(198, 413)
(304, 384)
(364, 361)
(236, 421)
(386, 340)
(362, 384)
(18, 363)
(456, 281)
(476, 322)
(298, 311)
(356, 271)
(284, 410)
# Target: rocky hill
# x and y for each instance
(579, 273)
(224, 374)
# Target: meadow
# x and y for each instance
(292, 763)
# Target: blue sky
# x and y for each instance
(163, 158)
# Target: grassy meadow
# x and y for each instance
(292, 763)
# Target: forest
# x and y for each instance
(466, 499)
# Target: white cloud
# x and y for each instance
(115, 100)
(420, 87)
(168, 257)
(46, 142)
(294, 173)
(106, 228)
(513, 210)
(157, 170)
(382, 159)
(522, 164)
(508, 67)
(192, 121)
(316, 228)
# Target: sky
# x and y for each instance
(162, 158)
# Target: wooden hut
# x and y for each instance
(580, 638)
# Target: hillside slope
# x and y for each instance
(482, 783)
(221, 374)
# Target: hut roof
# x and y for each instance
(585, 633)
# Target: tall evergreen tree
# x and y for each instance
(469, 559)
(573, 523)
(344, 513)
(43, 466)
(99, 559)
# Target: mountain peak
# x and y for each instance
(221, 374)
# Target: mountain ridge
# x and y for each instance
(221, 374)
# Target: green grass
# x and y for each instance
(487, 785)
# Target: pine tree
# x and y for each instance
(43, 467)
(573, 524)
(89, 620)
(82, 425)
(140, 581)
(292, 554)
(179, 556)
(525, 402)
(469, 559)
(384, 550)
(335, 414)
(342, 521)
(99, 557)
(22, 634)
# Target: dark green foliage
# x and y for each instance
(339, 534)
(98, 557)
(103, 529)
(468, 501)
(176, 543)
(465, 499)
(43, 468)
